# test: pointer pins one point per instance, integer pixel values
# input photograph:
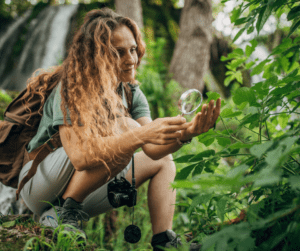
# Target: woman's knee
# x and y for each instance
(168, 164)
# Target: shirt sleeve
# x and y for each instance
(140, 107)
(58, 117)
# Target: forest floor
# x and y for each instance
(17, 230)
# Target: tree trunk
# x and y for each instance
(192, 51)
(131, 9)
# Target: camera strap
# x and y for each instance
(132, 233)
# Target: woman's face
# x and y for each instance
(124, 41)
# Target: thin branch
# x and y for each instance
(294, 160)
(229, 132)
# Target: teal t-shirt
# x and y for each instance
(53, 116)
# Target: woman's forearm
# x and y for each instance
(157, 152)
(118, 150)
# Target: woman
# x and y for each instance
(99, 136)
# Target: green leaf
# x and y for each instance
(235, 14)
(221, 205)
(294, 181)
(198, 169)
(228, 80)
(237, 171)
(267, 176)
(237, 62)
(283, 120)
(200, 199)
(184, 159)
(238, 76)
(250, 29)
(212, 96)
(184, 172)
(254, 210)
(259, 150)
(210, 166)
(238, 34)
(224, 141)
(284, 62)
(244, 94)
(249, 65)
(207, 141)
(204, 154)
(295, 25)
(294, 12)
(259, 68)
(228, 113)
(240, 145)
(9, 224)
(241, 21)
(263, 17)
(249, 119)
(238, 51)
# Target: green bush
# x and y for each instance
(251, 161)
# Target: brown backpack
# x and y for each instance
(16, 131)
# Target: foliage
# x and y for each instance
(263, 178)
(5, 99)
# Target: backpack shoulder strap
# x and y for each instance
(38, 155)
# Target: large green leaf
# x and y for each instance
(184, 172)
(244, 94)
(259, 68)
(264, 14)
(184, 159)
(259, 150)
(221, 206)
(294, 27)
(294, 12)
(228, 113)
(200, 199)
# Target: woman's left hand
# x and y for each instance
(203, 120)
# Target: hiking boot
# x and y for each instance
(169, 239)
(70, 213)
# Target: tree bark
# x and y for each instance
(131, 9)
(192, 51)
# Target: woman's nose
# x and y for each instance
(129, 59)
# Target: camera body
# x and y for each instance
(120, 192)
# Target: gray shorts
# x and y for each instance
(51, 180)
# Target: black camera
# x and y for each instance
(121, 192)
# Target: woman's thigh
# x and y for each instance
(97, 202)
(50, 181)
(144, 168)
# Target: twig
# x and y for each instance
(229, 132)
(294, 160)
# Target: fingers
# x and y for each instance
(207, 117)
(175, 120)
(174, 128)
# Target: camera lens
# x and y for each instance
(118, 199)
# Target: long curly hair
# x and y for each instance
(89, 80)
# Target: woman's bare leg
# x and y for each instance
(161, 198)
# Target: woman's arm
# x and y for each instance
(121, 147)
(201, 123)
(157, 152)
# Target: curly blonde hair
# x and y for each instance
(89, 80)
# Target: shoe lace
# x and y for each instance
(72, 216)
(176, 241)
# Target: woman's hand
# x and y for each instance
(161, 131)
(203, 120)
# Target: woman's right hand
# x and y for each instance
(164, 131)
